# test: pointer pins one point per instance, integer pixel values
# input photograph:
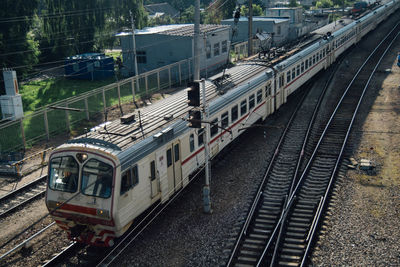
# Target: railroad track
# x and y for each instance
(23, 195)
(286, 213)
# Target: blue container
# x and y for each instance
(89, 66)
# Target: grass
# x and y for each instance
(37, 94)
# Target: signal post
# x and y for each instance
(195, 121)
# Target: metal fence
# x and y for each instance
(62, 116)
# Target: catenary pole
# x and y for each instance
(250, 43)
(134, 53)
(196, 41)
(206, 188)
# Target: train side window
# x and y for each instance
(176, 151)
(313, 59)
(169, 157)
(135, 175)
(251, 102)
(234, 113)
(152, 170)
(306, 64)
(293, 73)
(288, 76)
(200, 137)
(298, 70)
(302, 67)
(126, 181)
(243, 107)
(214, 127)
(191, 142)
(225, 120)
(259, 96)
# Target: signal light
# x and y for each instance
(194, 119)
(194, 94)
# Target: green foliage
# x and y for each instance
(257, 10)
(293, 3)
(324, 4)
(18, 49)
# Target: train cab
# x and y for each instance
(80, 194)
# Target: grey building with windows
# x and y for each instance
(278, 26)
(163, 45)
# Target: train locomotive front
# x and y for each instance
(80, 194)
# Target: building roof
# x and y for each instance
(273, 19)
(162, 8)
(176, 29)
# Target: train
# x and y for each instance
(100, 182)
(361, 6)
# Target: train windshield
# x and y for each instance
(97, 179)
(64, 174)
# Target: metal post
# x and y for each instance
(119, 94)
(180, 74)
(134, 50)
(46, 124)
(104, 102)
(146, 82)
(169, 77)
(23, 132)
(206, 188)
(196, 42)
(158, 80)
(67, 118)
(250, 45)
(87, 109)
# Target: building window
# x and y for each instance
(216, 49)
(234, 113)
(214, 127)
(141, 57)
(278, 30)
(243, 107)
(224, 46)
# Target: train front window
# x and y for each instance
(64, 174)
(97, 179)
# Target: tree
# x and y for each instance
(257, 10)
(324, 4)
(18, 48)
(293, 3)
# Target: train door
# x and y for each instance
(154, 177)
(174, 167)
(162, 173)
(274, 95)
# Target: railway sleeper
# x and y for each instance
(296, 235)
(246, 261)
(291, 251)
(259, 236)
(299, 246)
(299, 224)
(289, 258)
(296, 229)
(252, 247)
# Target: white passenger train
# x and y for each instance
(99, 183)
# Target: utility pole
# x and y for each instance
(206, 188)
(134, 52)
(196, 40)
(250, 44)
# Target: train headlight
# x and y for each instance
(102, 213)
(52, 205)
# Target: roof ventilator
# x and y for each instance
(128, 118)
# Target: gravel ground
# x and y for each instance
(363, 228)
